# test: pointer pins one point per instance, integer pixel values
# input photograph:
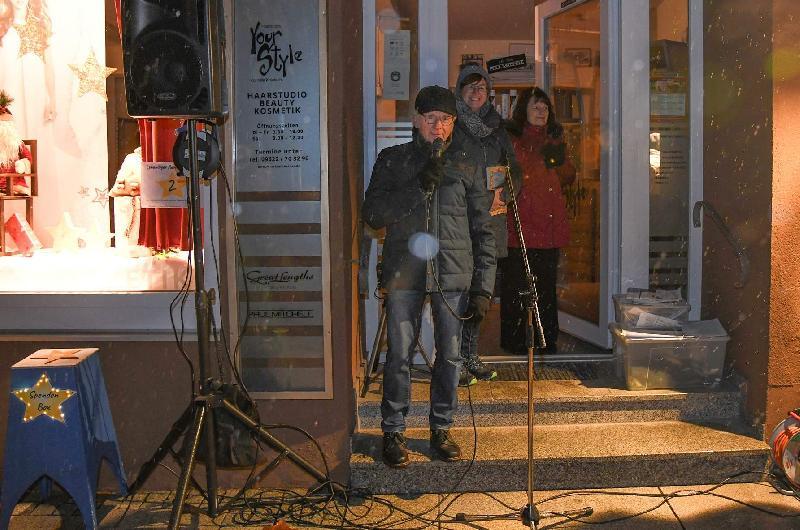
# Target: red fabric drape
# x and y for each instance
(161, 228)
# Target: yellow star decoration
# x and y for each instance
(92, 76)
(65, 234)
(33, 36)
(43, 399)
(174, 185)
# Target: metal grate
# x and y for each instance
(567, 371)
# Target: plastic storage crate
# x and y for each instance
(632, 311)
(690, 358)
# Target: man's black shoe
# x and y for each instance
(395, 450)
(481, 371)
(443, 446)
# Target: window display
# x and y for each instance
(89, 233)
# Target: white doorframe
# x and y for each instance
(695, 154)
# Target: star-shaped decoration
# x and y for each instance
(84, 192)
(43, 399)
(174, 185)
(33, 36)
(97, 236)
(101, 196)
(65, 234)
(92, 76)
(56, 355)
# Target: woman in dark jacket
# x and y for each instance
(539, 146)
(485, 141)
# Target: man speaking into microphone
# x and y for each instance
(430, 196)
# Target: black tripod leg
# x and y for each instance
(279, 446)
(191, 442)
(211, 464)
(178, 428)
(373, 355)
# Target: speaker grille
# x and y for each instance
(170, 71)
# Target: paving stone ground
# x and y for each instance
(732, 506)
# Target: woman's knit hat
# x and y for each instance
(469, 69)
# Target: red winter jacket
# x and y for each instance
(542, 207)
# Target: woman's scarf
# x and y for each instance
(474, 121)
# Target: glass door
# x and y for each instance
(572, 67)
(627, 87)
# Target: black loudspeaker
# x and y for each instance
(172, 51)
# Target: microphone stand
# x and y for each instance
(529, 515)
(529, 296)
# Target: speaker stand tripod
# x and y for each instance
(200, 410)
(380, 338)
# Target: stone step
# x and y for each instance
(577, 456)
(562, 402)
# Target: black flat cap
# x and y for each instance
(433, 98)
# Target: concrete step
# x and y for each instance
(562, 402)
(581, 455)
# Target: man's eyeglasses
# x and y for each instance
(433, 120)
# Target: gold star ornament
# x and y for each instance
(91, 76)
(33, 35)
(43, 399)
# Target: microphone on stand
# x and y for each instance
(437, 148)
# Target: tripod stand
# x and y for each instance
(210, 397)
(380, 338)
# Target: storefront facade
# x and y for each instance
(709, 120)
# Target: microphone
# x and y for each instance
(437, 148)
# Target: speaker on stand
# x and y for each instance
(172, 57)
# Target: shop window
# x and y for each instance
(75, 226)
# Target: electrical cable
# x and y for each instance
(182, 295)
(240, 256)
(432, 265)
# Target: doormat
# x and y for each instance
(567, 371)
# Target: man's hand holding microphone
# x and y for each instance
(431, 174)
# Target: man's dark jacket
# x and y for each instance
(459, 220)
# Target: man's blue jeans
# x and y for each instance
(403, 316)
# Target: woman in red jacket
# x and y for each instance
(541, 152)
